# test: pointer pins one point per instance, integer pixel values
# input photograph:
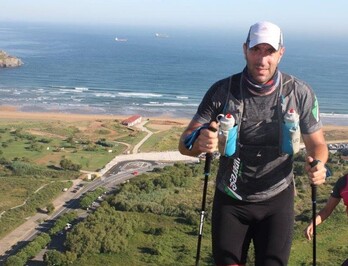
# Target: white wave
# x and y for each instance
(65, 90)
(152, 104)
(70, 88)
(192, 104)
(173, 104)
(73, 90)
(105, 94)
(334, 115)
(59, 87)
(55, 92)
(76, 100)
(81, 89)
(163, 104)
(182, 97)
(139, 94)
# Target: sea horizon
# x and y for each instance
(151, 72)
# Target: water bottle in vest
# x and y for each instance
(291, 132)
(227, 134)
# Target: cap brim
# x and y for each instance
(253, 43)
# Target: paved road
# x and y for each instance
(28, 229)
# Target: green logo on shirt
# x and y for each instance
(315, 109)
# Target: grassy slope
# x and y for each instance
(179, 242)
(177, 245)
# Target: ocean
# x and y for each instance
(85, 69)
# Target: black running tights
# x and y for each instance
(269, 224)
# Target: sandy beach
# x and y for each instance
(333, 132)
(11, 112)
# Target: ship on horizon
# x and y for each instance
(161, 35)
(120, 39)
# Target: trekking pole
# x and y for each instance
(314, 203)
(314, 216)
(208, 158)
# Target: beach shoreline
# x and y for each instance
(12, 112)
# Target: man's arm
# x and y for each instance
(316, 150)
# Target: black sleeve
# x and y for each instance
(213, 102)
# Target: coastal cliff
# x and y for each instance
(9, 61)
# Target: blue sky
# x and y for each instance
(312, 17)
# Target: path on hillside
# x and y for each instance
(149, 134)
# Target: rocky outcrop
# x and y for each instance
(9, 61)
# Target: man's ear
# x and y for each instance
(281, 53)
(245, 48)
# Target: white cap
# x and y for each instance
(265, 32)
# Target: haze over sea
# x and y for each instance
(85, 70)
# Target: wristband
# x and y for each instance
(328, 171)
(191, 138)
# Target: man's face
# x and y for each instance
(262, 61)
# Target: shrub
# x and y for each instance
(54, 257)
(15, 261)
(67, 164)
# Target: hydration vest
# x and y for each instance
(287, 98)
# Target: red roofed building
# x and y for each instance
(131, 121)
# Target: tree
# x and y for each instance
(67, 164)
(54, 257)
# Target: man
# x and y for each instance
(254, 187)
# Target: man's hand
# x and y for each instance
(316, 171)
(207, 140)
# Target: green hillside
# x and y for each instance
(153, 220)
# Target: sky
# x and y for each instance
(310, 17)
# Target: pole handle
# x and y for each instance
(314, 163)
(208, 156)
